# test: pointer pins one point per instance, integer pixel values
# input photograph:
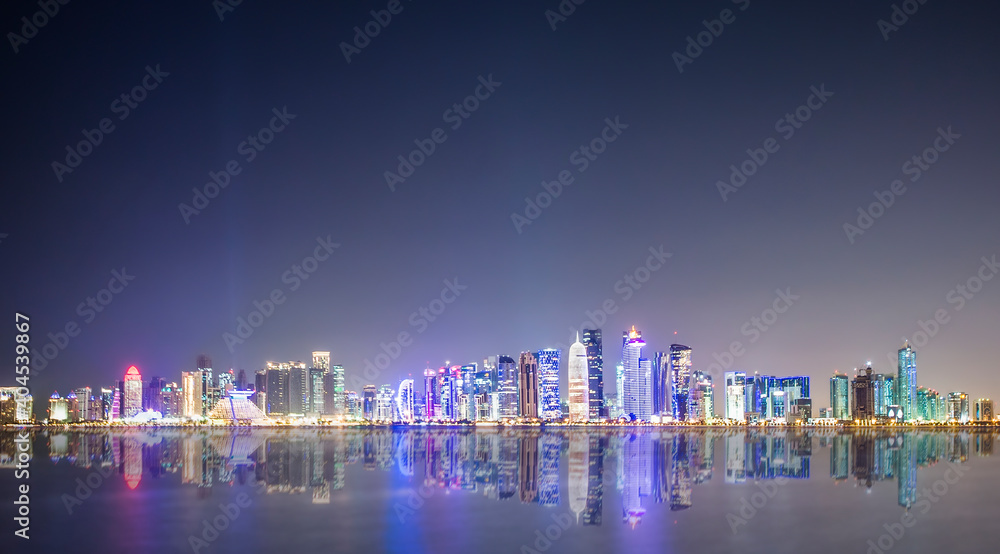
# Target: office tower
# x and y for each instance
(72, 407)
(958, 407)
(368, 411)
(527, 386)
(352, 405)
(595, 373)
(206, 384)
(338, 398)
(260, 389)
(448, 382)
(299, 399)
(638, 374)
(15, 408)
(85, 408)
(839, 389)
(984, 410)
(906, 381)
(701, 402)
(548, 383)
(107, 395)
(404, 401)
(384, 404)
(863, 399)
(507, 372)
(466, 388)
(58, 408)
(132, 392)
(619, 390)
(794, 388)
(317, 390)
(661, 383)
(579, 403)
(241, 380)
(191, 387)
(432, 397)
(680, 376)
(152, 394)
(277, 389)
(885, 395)
(736, 384)
(321, 360)
(226, 383)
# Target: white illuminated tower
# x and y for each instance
(404, 400)
(637, 387)
(579, 402)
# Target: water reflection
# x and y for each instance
(511, 465)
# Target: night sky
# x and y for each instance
(530, 282)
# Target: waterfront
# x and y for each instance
(503, 490)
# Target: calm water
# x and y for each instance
(461, 490)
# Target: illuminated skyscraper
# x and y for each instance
(384, 410)
(661, 383)
(277, 389)
(338, 398)
(906, 381)
(680, 377)
(527, 386)
(595, 372)
(85, 408)
(885, 395)
(548, 383)
(58, 408)
(863, 399)
(840, 397)
(132, 401)
(701, 403)
(208, 391)
(299, 399)
(637, 387)
(579, 404)
(507, 371)
(736, 396)
(404, 400)
(432, 396)
(321, 360)
(958, 407)
(368, 411)
(317, 389)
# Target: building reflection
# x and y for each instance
(651, 468)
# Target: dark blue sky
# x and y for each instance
(655, 185)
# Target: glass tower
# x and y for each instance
(595, 368)
(548, 383)
(680, 380)
(906, 382)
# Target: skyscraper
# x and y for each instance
(152, 395)
(958, 407)
(527, 385)
(984, 410)
(680, 377)
(277, 389)
(661, 383)
(317, 390)
(339, 400)
(839, 396)
(299, 399)
(548, 383)
(507, 372)
(906, 381)
(701, 403)
(206, 384)
(384, 408)
(863, 399)
(638, 401)
(321, 360)
(368, 410)
(191, 393)
(595, 372)
(404, 400)
(132, 401)
(432, 398)
(736, 396)
(579, 403)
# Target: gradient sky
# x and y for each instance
(656, 185)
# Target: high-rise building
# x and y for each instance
(595, 373)
(15, 408)
(619, 390)
(384, 410)
(701, 403)
(404, 401)
(680, 377)
(152, 394)
(578, 389)
(638, 376)
(958, 407)
(241, 380)
(338, 399)
(432, 395)
(85, 407)
(107, 397)
(906, 381)
(548, 383)
(885, 394)
(58, 408)
(661, 383)
(226, 383)
(863, 399)
(132, 401)
(299, 398)
(984, 410)
(209, 392)
(191, 387)
(527, 386)
(466, 388)
(368, 411)
(840, 396)
(277, 389)
(507, 372)
(260, 389)
(449, 381)
(736, 384)
(321, 360)
(317, 390)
